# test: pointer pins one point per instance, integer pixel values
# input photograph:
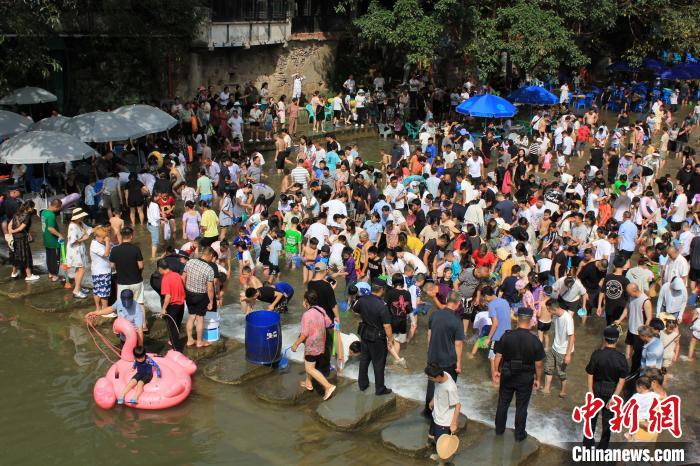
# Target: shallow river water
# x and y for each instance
(48, 415)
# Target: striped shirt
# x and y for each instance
(300, 175)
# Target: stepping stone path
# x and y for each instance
(350, 408)
(409, 434)
(497, 450)
(216, 347)
(231, 368)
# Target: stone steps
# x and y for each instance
(233, 369)
(351, 408)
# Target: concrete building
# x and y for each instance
(264, 41)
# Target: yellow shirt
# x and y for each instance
(210, 223)
(414, 244)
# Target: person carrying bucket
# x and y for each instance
(313, 334)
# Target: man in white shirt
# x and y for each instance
(445, 405)
(319, 230)
(235, 123)
(679, 211)
(296, 85)
(558, 137)
(559, 355)
(449, 156)
(395, 193)
(676, 266)
(567, 144)
(336, 206)
(467, 145)
(475, 164)
(378, 81)
(405, 148)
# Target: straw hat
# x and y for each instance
(447, 446)
(77, 214)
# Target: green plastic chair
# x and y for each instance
(310, 113)
(327, 116)
(411, 130)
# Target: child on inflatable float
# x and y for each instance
(144, 366)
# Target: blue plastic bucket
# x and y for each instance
(263, 337)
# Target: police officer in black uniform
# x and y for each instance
(519, 363)
(606, 371)
(374, 331)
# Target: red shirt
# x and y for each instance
(172, 285)
(485, 261)
(166, 205)
(584, 133)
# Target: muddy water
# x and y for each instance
(51, 363)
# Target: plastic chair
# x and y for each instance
(411, 130)
(327, 116)
(385, 130)
(580, 103)
(310, 112)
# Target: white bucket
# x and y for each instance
(210, 332)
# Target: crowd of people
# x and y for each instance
(473, 231)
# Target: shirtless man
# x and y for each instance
(248, 280)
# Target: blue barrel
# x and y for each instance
(263, 337)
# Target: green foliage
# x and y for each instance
(25, 26)
(410, 28)
(537, 41)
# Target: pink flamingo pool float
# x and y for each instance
(171, 389)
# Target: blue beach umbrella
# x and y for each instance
(682, 71)
(487, 106)
(533, 95)
(652, 64)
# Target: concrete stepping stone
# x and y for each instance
(232, 368)
(198, 354)
(58, 301)
(350, 408)
(283, 387)
(497, 450)
(18, 288)
(409, 434)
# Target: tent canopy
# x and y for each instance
(533, 95)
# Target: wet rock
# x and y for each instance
(18, 288)
(58, 301)
(197, 354)
(409, 434)
(350, 408)
(232, 368)
(283, 387)
(497, 450)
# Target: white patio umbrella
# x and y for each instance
(28, 96)
(52, 123)
(103, 127)
(152, 119)
(43, 147)
(12, 123)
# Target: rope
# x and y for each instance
(175, 323)
(93, 331)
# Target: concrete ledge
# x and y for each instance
(59, 300)
(18, 288)
(409, 434)
(496, 450)
(232, 368)
(350, 408)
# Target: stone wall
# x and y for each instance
(273, 64)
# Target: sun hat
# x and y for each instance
(77, 214)
(502, 253)
(504, 226)
(447, 446)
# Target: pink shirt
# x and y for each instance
(313, 327)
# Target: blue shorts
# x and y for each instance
(155, 234)
(205, 197)
(285, 288)
(102, 285)
(436, 431)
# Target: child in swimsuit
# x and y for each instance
(144, 365)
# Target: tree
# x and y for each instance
(24, 51)
(536, 40)
(411, 29)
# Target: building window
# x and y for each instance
(249, 10)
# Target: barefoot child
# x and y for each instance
(309, 254)
(314, 323)
(144, 366)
